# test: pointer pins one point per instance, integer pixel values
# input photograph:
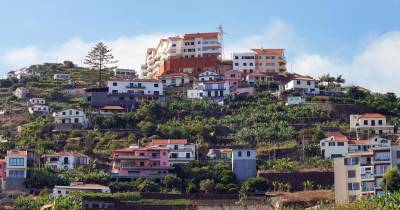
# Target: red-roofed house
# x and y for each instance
(306, 84)
(339, 145)
(140, 162)
(180, 151)
(370, 123)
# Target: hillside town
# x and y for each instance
(194, 128)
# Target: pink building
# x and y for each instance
(233, 77)
(140, 162)
(2, 169)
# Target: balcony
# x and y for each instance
(367, 176)
(132, 157)
(381, 159)
(152, 176)
(135, 87)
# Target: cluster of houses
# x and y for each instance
(153, 161)
(360, 163)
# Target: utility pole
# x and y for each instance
(221, 34)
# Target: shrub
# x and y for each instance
(207, 185)
(255, 184)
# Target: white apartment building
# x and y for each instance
(147, 87)
(37, 101)
(244, 163)
(38, 108)
(306, 84)
(186, 46)
(262, 60)
(70, 116)
(60, 191)
(16, 164)
(208, 75)
(125, 73)
(177, 79)
(370, 123)
(209, 89)
(180, 151)
(61, 76)
(360, 174)
(244, 62)
(339, 145)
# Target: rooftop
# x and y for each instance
(113, 108)
(372, 115)
(278, 52)
(17, 153)
(84, 186)
(201, 35)
(168, 141)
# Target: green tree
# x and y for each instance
(254, 184)
(207, 185)
(391, 180)
(172, 182)
(99, 57)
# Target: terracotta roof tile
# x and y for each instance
(278, 52)
(372, 115)
(168, 141)
(201, 35)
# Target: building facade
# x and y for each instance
(38, 108)
(177, 79)
(60, 191)
(179, 150)
(306, 84)
(65, 160)
(61, 76)
(136, 87)
(209, 89)
(140, 162)
(16, 164)
(37, 101)
(71, 116)
(262, 60)
(360, 174)
(244, 163)
(125, 73)
(371, 124)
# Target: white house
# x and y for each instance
(339, 145)
(244, 62)
(37, 101)
(65, 160)
(22, 73)
(208, 75)
(70, 116)
(307, 84)
(147, 87)
(294, 100)
(180, 151)
(252, 78)
(176, 79)
(209, 89)
(16, 164)
(59, 191)
(39, 108)
(374, 122)
(244, 163)
(62, 76)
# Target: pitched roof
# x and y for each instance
(83, 186)
(201, 35)
(65, 153)
(168, 141)
(262, 51)
(372, 115)
(17, 152)
(174, 74)
(175, 38)
(358, 142)
(304, 78)
(109, 107)
(339, 138)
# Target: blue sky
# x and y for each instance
(331, 36)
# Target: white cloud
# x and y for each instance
(129, 51)
(375, 67)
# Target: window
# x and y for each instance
(173, 45)
(187, 155)
(155, 85)
(351, 173)
(323, 144)
(114, 91)
(373, 122)
(251, 64)
(351, 161)
(340, 143)
(397, 154)
(156, 93)
(298, 82)
(308, 83)
(354, 186)
(115, 84)
(141, 163)
(240, 153)
(244, 64)
(236, 57)
(16, 161)
(63, 113)
(331, 143)
(365, 122)
(236, 64)
(380, 122)
(77, 112)
(248, 153)
(76, 120)
(16, 174)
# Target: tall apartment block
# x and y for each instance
(190, 53)
(360, 174)
(260, 60)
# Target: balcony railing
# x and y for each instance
(367, 176)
